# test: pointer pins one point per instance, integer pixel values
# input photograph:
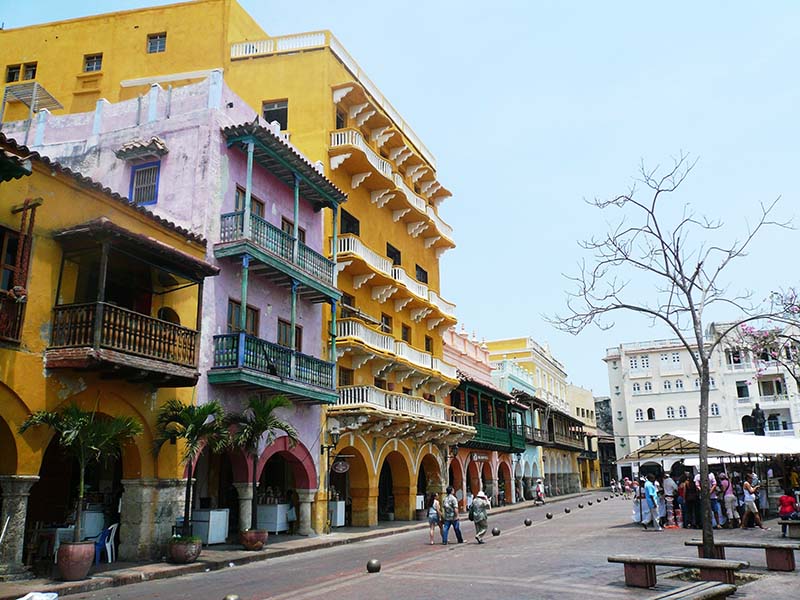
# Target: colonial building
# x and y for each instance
(99, 305)
(492, 460)
(582, 403)
(391, 422)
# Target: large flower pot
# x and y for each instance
(75, 559)
(183, 551)
(253, 539)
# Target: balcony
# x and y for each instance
(780, 432)
(373, 410)
(343, 139)
(109, 337)
(571, 440)
(517, 438)
(588, 455)
(446, 308)
(420, 290)
(536, 436)
(743, 366)
(11, 315)
(274, 253)
(242, 360)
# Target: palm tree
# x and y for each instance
(87, 438)
(197, 426)
(259, 422)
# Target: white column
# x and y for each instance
(245, 493)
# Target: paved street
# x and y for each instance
(561, 558)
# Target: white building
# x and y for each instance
(655, 388)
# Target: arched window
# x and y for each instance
(667, 385)
(639, 414)
(714, 409)
(711, 383)
(648, 386)
(636, 388)
(679, 384)
(682, 412)
(670, 412)
(651, 414)
(697, 383)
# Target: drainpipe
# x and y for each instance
(248, 190)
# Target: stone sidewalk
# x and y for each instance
(213, 559)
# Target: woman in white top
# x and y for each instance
(750, 492)
(434, 514)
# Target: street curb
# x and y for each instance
(139, 575)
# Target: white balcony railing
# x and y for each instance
(780, 432)
(441, 226)
(278, 44)
(352, 137)
(418, 289)
(356, 329)
(447, 308)
(412, 355)
(774, 398)
(402, 403)
(745, 366)
(444, 368)
(414, 200)
(353, 245)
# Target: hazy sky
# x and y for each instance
(531, 107)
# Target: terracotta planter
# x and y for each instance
(182, 552)
(253, 539)
(75, 559)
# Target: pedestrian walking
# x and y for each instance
(651, 497)
(539, 492)
(479, 513)
(729, 500)
(750, 493)
(434, 515)
(670, 494)
(450, 511)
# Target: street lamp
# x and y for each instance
(333, 439)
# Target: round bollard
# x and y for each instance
(231, 597)
(598, 500)
(566, 510)
(605, 498)
(373, 566)
(527, 522)
(589, 503)
(580, 505)
(549, 515)
(496, 531)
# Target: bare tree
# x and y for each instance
(668, 248)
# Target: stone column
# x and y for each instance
(365, 506)
(526, 488)
(304, 518)
(245, 493)
(150, 508)
(15, 489)
(490, 489)
(405, 500)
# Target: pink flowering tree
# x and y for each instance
(668, 265)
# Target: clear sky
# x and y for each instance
(530, 107)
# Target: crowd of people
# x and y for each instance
(736, 500)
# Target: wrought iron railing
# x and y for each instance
(11, 314)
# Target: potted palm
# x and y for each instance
(88, 438)
(256, 424)
(197, 426)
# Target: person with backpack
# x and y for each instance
(450, 510)
(479, 514)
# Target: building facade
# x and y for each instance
(582, 403)
(88, 280)
(391, 421)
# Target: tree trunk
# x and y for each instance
(705, 497)
(187, 502)
(77, 536)
(254, 501)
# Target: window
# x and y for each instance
(679, 384)
(664, 357)
(380, 383)
(256, 205)
(667, 385)
(92, 63)
(711, 382)
(288, 227)
(634, 363)
(393, 254)
(235, 315)
(636, 388)
(405, 333)
(714, 409)
(9, 241)
(285, 335)
(645, 359)
(349, 224)
(422, 275)
(276, 110)
(742, 389)
(639, 414)
(771, 387)
(670, 412)
(386, 323)
(676, 358)
(651, 414)
(648, 386)
(682, 412)
(642, 441)
(346, 376)
(144, 183)
(653, 438)
(29, 72)
(156, 42)
(12, 73)
(428, 344)
(341, 119)
(697, 383)
(348, 304)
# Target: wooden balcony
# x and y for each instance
(572, 440)
(536, 436)
(274, 252)
(11, 315)
(122, 343)
(242, 360)
(506, 439)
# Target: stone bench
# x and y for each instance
(640, 571)
(702, 590)
(794, 527)
(780, 556)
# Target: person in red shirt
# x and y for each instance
(787, 509)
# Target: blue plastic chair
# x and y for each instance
(105, 540)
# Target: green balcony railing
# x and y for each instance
(489, 434)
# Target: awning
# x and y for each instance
(687, 443)
(31, 94)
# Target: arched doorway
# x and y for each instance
(455, 479)
(748, 424)
(214, 490)
(474, 478)
(487, 482)
(504, 486)
(394, 489)
(353, 487)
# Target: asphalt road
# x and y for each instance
(560, 559)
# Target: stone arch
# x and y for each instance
(8, 457)
(504, 475)
(519, 469)
(432, 469)
(298, 457)
(474, 483)
(358, 485)
(399, 497)
(456, 478)
(25, 452)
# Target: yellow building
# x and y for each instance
(92, 295)
(392, 421)
(581, 401)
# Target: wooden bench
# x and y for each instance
(780, 556)
(794, 527)
(702, 590)
(640, 571)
